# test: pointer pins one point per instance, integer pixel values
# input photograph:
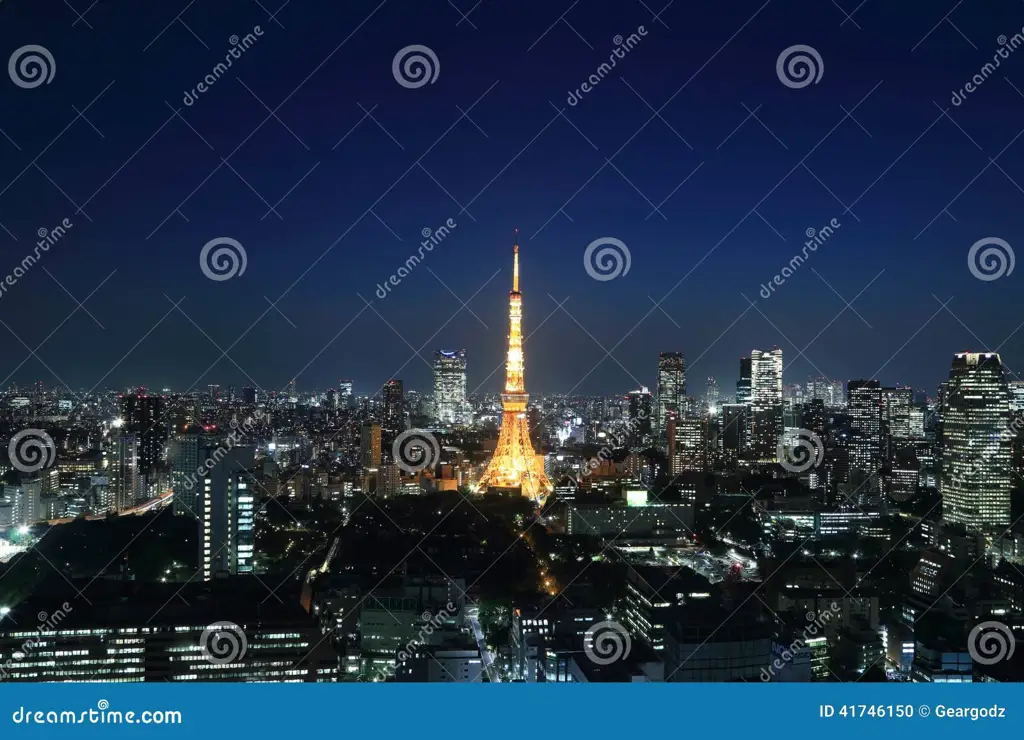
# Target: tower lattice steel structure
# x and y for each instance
(515, 464)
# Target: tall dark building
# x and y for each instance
(743, 388)
(671, 385)
(143, 416)
(639, 422)
(249, 396)
(392, 420)
(734, 431)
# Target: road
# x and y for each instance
(473, 615)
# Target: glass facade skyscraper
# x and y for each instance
(450, 386)
(671, 386)
(766, 404)
(976, 444)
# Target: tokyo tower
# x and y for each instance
(515, 465)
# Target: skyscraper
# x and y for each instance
(639, 407)
(123, 471)
(689, 443)
(712, 395)
(345, 393)
(370, 446)
(143, 416)
(864, 403)
(370, 456)
(896, 405)
(671, 386)
(450, 386)
(766, 404)
(743, 384)
(976, 444)
(392, 420)
(185, 463)
(734, 430)
(226, 537)
(829, 391)
(515, 464)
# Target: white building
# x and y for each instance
(450, 387)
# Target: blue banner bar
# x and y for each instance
(511, 710)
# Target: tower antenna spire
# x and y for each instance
(515, 263)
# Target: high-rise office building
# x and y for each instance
(671, 385)
(734, 431)
(828, 391)
(640, 406)
(123, 471)
(766, 404)
(976, 444)
(896, 422)
(186, 460)
(689, 443)
(392, 420)
(143, 416)
(743, 394)
(249, 396)
(450, 386)
(226, 511)
(712, 395)
(345, 393)
(370, 446)
(864, 403)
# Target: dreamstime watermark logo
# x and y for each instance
(815, 238)
(431, 622)
(45, 621)
(415, 66)
(223, 258)
(606, 259)
(800, 450)
(1006, 47)
(238, 431)
(223, 642)
(799, 66)
(785, 654)
(238, 47)
(415, 450)
(31, 66)
(990, 642)
(31, 450)
(47, 238)
(990, 259)
(622, 47)
(606, 642)
(431, 238)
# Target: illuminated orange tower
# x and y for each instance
(515, 464)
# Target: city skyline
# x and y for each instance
(750, 412)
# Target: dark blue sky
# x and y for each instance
(515, 164)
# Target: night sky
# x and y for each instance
(347, 215)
